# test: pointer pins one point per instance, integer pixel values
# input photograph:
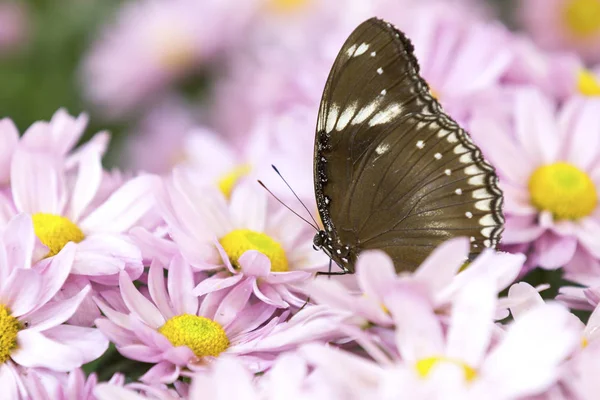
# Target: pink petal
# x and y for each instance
(37, 182)
(521, 230)
(163, 372)
(106, 254)
(248, 206)
(254, 263)
(179, 355)
(216, 282)
(56, 312)
(90, 342)
(124, 207)
(158, 293)
(418, 330)
(8, 382)
(443, 263)
(535, 125)
(554, 251)
(88, 181)
(267, 294)
(180, 284)
(116, 334)
(138, 304)
(19, 240)
(149, 336)
(253, 317)
(106, 391)
(375, 273)
(21, 292)
(57, 272)
(233, 303)
(579, 122)
(36, 350)
(471, 323)
(141, 352)
(522, 298)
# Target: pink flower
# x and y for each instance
(152, 43)
(547, 162)
(240, 240)
(564, 24)
(58, 202)
(58, 137)
(177, 331)
(467, 359)
(45, 385)
(34, 333)
(439, 277)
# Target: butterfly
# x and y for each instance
(392, 171)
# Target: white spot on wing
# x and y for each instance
(373, 54)
(458, 191)
(361, 49)
(420, 144)
(386, 115)
(448, 172)
(332, 116)
(383, 92)
(351, 50)
(382, 148)
(346, 116)
(380, 71)
(437, 156)
(469, 214)
(487, 220)
(366, 112)
(472, 169)
(476, 180)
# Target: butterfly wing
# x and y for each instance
(392, 170)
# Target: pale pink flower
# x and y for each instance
(177, 331)
(547, 161)
(215, 235)
(58, 137)
(47, 385)
(34, 333)
(564, 24)
(58, 202)
(439, 277)
(153, 43)
(463, 359)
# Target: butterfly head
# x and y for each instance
(341, 254)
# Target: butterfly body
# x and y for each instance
(392, 171)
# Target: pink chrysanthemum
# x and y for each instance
(547, 162)
(152, 43)
(177, 331)
(439, 277)
(32, 329)
(564, 24)
(58, 202)
(240, 239)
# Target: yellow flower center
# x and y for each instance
(425, 365)
(55, 231)
(287, 6)
(174, 49)
(582, 17)
(9, 327)
(564, 190)
(239, 241)
(587, 83)
(584, 342)
(203, 336)
(228, 181)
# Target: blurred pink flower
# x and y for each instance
(564, 24)
(152, 43)
(14, 26)
(33, 331)
(461, 360)
(161, 132)
(59, 201)
(547, 162)
(47, 385)
(244, 242)
(177, 331)
(439, 278)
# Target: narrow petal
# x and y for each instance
(579, 122)
(254, 263)
(124, 207)
(19, 240)
(90, 342)
(163, 372)
(248, 206)
(87, 183)
(107, 391)
(138, 304)
(9, 137)
(471, 322)
(57, 272)
(180, 284)
(216, 282)
(233, 303)
(554, 251)
(443, 263)
(21, 292)
(522, 298)
(56, 312)
(157, 289)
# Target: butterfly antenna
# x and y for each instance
(286, 206)
(297, 198)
